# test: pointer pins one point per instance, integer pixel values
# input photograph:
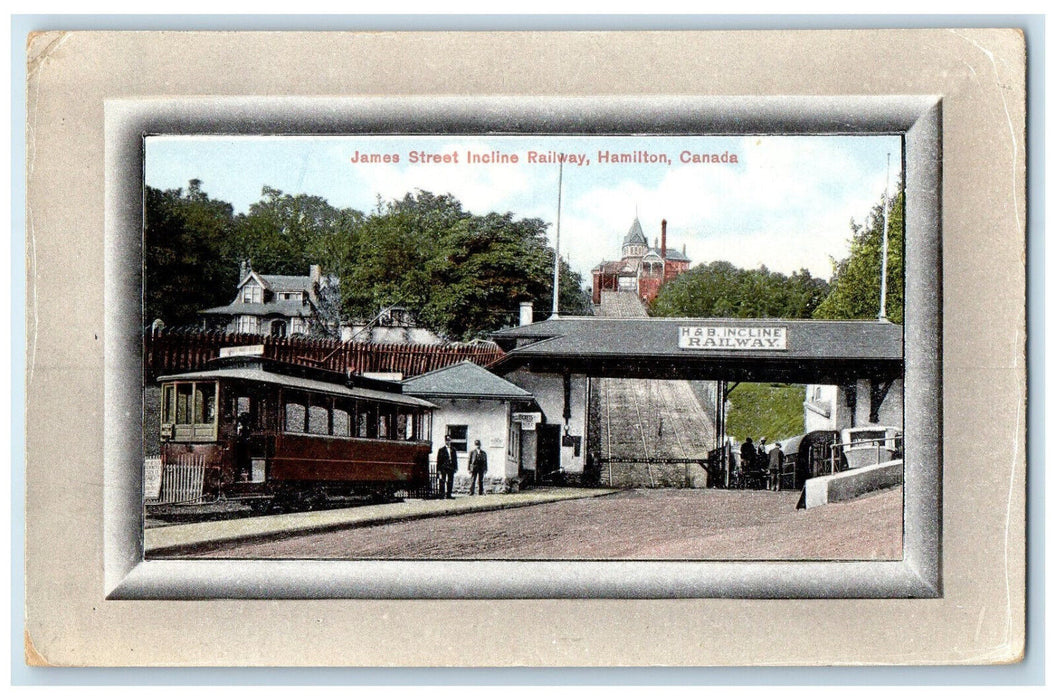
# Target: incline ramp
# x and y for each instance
(643, 422)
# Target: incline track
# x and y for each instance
(647, 419)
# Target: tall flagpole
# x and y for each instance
(557, 243)
(883, 264)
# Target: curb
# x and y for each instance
(169, 541)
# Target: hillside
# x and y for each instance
(773, 411)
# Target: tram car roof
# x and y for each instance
(301, 377)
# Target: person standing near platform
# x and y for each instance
(446, 466)
(776, 458)
(748, 457)
(478, 467)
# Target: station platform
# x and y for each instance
(174, 539)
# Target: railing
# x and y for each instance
(864, 453)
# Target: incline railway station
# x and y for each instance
(583, 371)
(620, 403)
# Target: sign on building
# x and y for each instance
(528, 421)
(733, 337)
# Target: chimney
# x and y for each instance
(526, 313)
(243, 269)
(314, 278)
(663, 238)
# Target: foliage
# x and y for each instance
(721, 290)
(856, 279)
(462, 274)
(284, 234)
(188, 265)
(773, 411)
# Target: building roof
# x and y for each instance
(675, 254)
(627, 266)
(287, 283)
(823, 352)
(278, 307)
(463, 380)
(634, 235)
(251, 374)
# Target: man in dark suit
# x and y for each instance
(775, 460)
(478, 466)
(446, 466)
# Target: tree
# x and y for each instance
(855, 289)
(284, 234)
(464, 274)
(187, 263)
(722, 290)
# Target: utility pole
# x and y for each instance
(557, 243)
(883, 264)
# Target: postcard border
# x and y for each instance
(128, 576)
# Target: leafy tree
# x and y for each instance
(187, 263)
(856, 279)
(464, 274)
(284, 234)
(722, 290)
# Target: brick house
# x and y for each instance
(641, 269)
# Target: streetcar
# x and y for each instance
(266, 432)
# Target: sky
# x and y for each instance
(785, 202)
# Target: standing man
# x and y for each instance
(446, 466)
(478, 466)
(748, 456)
(776, 458)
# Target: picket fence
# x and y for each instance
(170, 484)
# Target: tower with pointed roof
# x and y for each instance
(635, 244)
(642, 268)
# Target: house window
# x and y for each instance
(459, 435)
(278, 329)
(252, 294)
(246, 324)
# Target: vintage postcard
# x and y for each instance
(352, 348)
(371, 331)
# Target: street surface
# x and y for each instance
(633, 524)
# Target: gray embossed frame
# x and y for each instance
(917, 575)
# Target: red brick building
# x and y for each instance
(641, 269)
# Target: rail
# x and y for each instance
(882, 449)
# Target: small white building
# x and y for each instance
(394, 325)
(866, 402)
(474, 404)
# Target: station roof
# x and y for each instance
(821, 352)
(463, 380)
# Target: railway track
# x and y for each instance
(648, 420)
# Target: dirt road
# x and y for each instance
(635, 524)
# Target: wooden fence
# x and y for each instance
(171, 352)
(181, 482)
